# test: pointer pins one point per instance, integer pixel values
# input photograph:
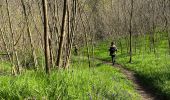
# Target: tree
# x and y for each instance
(46, 37)
(62, 34)
(130, 30)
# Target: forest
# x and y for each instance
(84, 49)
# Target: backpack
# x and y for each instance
(112, 50)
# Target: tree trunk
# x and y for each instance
(46, 37)
(130, 30)
(62, 34)
(72, 29)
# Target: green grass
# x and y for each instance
(154, 72)
(5, 67)
(77, 83)
(152, 69)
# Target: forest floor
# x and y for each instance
(144, 91)
(101, 82)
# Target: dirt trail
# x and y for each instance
(144, 91)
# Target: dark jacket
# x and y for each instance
(113, 50)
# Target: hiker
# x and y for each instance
(113, 50)
(76, 50)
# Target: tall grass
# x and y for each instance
(155, 72)
(5, 68)
(77, 83)
(152, 68)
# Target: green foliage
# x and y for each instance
(5, 68)
(152, 68)
(101, 82)
(154, 71)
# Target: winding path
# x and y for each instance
(144, 91)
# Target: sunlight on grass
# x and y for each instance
(102, 82)
(152, 69)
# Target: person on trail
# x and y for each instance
(76, 50)
(113, 50)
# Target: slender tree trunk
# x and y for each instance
(93, 47)
(72, 30)
(130, 30)
(69, 44)
(51, 53)
(152, 34)
(88, 52)
(46, 37)
(135, 44)
(62, 34)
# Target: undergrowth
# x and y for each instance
(77, 83)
